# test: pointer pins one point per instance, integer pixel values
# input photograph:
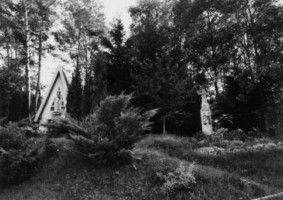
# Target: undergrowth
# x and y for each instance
(263, 165)
(161, 167)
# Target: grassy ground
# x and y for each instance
(264, 165)
(251, 169)
(223, 171)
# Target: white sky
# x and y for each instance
(118, 9)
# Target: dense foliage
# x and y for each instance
(19, 154)
(107, 135)
(232, 48)
(74, 98)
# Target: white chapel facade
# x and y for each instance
(53, 105)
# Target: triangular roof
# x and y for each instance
(59, 73)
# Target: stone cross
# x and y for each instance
(205, 114)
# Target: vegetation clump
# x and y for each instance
(181, 179)
(108, 134)
(19, 154)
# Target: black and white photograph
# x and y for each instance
(141, 99)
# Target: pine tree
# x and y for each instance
(100, 81)
(159, 70)
(87, 95)
(74, 97)
(118, 68)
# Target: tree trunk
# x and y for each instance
(78, 60)
(27, 60)
(258, 65)
(8, 55)
(216, 88)
(78, 51)
(248, 42)
(7, 48)
(86, 55)
(37, 94)
(16, 57)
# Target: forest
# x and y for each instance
(232, 48)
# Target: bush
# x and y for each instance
(223, 134)
(12, 137)
(109, 133)
(238, 134)
(18, 155)
(180, 180)
(200, 136)
(15, 167)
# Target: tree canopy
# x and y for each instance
(232, 48)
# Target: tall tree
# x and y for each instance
(100, 81)
(74, 97)
(22, 27)
(43, 23)
(118, 68)
(83, 22)
(83, 26)
(159, 71)
(208, 38)
(11, 93)
(236, 43)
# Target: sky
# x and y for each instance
(118, 9)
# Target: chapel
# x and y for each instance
(53, 105)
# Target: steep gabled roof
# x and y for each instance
(59, 73)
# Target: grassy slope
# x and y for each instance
(219, 177)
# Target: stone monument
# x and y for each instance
(205, 114)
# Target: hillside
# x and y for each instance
(221, 169)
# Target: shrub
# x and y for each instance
(181, 179)
(63, 127)
(18, 155)
(200, 136)
(238, 134)
(12, 137)
(224, 134)
(109, 133)
(15, 167)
